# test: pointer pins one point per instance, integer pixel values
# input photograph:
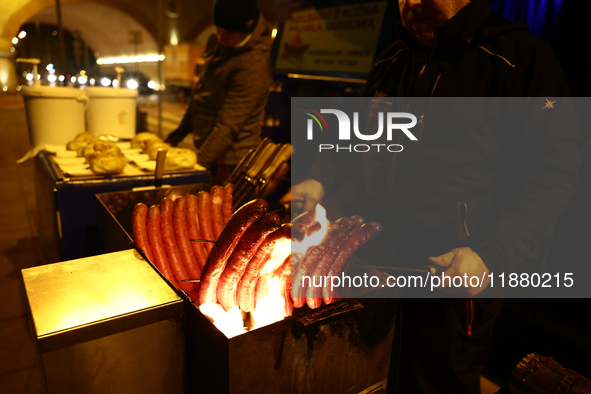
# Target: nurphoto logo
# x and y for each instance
(344, 133)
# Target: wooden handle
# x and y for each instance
(258, 165)
(274, 180)
(282, 154)
(257, 152)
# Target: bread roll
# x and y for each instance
(86, 136)
(99, 146)
(140, 138)
(80, 151)
(180, 159)
(80, 141)
(148, 144)
(153, 152)
(106, 163)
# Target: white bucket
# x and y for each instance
(55, 115)
(112, 111)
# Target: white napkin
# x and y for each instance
(58, 150)
(32, 153)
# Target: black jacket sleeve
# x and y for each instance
(184, 128)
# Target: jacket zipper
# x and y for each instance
(497, 55)
(420, 78)
(435, 85)
(419, 81)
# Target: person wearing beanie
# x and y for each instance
(235, 15)
(228, 103)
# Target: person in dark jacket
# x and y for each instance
(503, 194)
(228, 103)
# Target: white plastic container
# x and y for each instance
(55, 115)
(111, 111)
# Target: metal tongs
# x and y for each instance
(197, 240)
(432, 270)
(260, 171)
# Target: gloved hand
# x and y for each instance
(173, 138)
(309, 193)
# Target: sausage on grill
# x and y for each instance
(240, 221)
(250, 241)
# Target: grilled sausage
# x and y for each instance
(284, 274)
(328, 252)
(204, 217)
(217, 217)
(306, 265)
(305, 219)
(262, 287)
(285, 290)
(227, 202)
(140, 235)
(247, 286)
(155, 238)
(296, 259)
(301, 224)
(181, 233)
(199, 249)
(170, 245)
(247, 246)
(352, 243)
(240, 221)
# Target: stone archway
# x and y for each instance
(118, 17)
(192, 18)
(22, 14)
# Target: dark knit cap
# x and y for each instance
(235, 15)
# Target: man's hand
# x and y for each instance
(309, 192)
(460, 262)
(174, 139)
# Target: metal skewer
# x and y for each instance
(433, 270)
(201, 240)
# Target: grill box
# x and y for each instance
(343, 347)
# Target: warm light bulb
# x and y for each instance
(132, 84)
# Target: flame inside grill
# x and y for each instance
(314, 238)
(269, 309)
(271, 306)
(230, 323)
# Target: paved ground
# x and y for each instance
(20, 367)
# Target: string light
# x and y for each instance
(130, 59)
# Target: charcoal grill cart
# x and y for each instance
(111, 323)
(341, 347)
